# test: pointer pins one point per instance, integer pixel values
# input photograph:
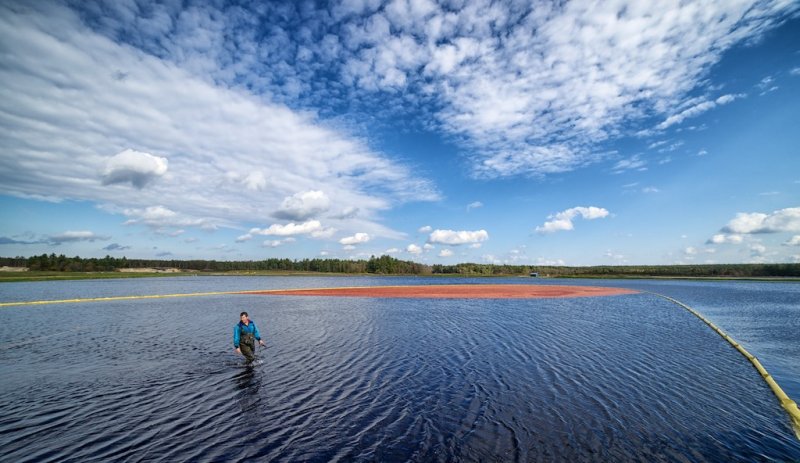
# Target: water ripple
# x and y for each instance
(623, 378)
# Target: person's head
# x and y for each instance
(244, 317)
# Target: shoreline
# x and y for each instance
(27, 276)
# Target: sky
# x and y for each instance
(506, 132)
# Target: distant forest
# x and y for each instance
(386, 265)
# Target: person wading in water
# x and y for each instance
(245, 335)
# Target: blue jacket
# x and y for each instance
(250, 328)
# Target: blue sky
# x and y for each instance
(565, 133)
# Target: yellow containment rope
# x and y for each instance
(113, 298)
(788, 404)
(161, 296)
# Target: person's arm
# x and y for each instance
(258, 335)
(236, 339)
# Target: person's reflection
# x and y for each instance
(248, 384)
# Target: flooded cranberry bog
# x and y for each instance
(375, 374)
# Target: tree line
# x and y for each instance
(387, 265)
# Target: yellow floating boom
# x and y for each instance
(788, 404)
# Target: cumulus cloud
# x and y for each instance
(287, 229)
(783, 220)
(563, 220)
(414, 249)
(425, 229)
(721, 238)
(104, 97)
(134, 167)
(391, 251)
(358, 238)
(455, 238)
(304, 205)
(445, 253)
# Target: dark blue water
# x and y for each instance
(621, 378)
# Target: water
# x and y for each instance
(622, 378)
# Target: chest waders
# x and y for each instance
(247, 344)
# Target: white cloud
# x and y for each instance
(633, 163)
(527, 89)
(793, 241)
(348, 247)
(767, 85)
(358, 238)
(289, 229)
(784, 220)
(392, 251)
(428, 246)
(414, 249)
(445, 253)
(323, 233)
(722, 238)
(757, 250)
(255, 181)
(455, 238)
(563, 220)
(159, 217)
(650, 189)
(425, 229)
(134, 167)
(698, 109)
(74, 236)
(795, 71)
(475, 245)
(276, 243)
(97, 97)
(303, 205)
(474, 205)
(550, 262)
